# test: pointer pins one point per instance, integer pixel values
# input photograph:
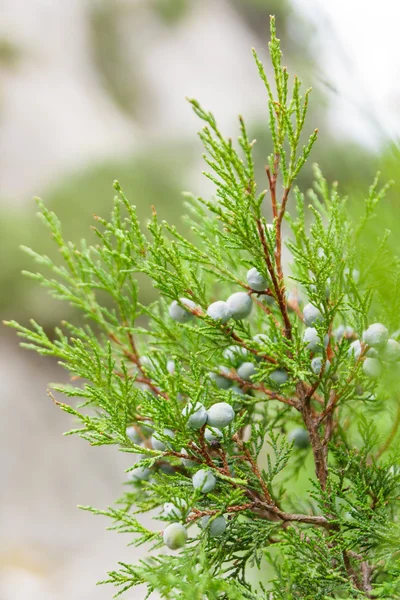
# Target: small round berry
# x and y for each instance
(171, 367)
(354, 274)
(240, 305)
(279, 376)
(373, 353)
(186, 461)
(139, 474)
(171, 510)
(134, 435)
(300, 438)
(220, 414)
(217, 525)
(343, 331)
(316, 365)
(246, 371)
(311, 315)
(256, 280)
(157, 443)
(391, 351)
(197, 415)
(180, 314)
(222, 383)
(219, 311)
(261, 339)
(213, 436)
(313, 340)
(355, 349)
(376, 335)
(372, 368)
(175, 536)
(235, 354)
(204, 481)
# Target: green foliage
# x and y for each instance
(138, 369)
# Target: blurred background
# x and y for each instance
(92, 91)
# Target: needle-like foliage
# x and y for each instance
(240, 376)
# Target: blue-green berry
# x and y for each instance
(186, 461)
(279, 376)
(312, 339)
(391, 351)
(256, 280)
(376, 335)
(223, 383)
(157, 443)
(311, 315)
(175, 536)
(134, 435)
(235, 354)
(300, 438)
(219, 311)
(354, 274)
(171, 367)
(316, 365)
(179, 313)
(372, 368)
(213, 436)
(177, 512)
(197, 415)
(246, 370)
(204, 481)
(139, 474)
(240, 305)
(355, 349)
(220, 414)
(343, 331)
(217, 526)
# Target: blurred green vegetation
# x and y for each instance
(154, 178)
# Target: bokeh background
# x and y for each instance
(94, 90)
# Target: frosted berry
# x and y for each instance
(213, 435)
(354, 274)
(220, 414)
(313, 340)
(171, 510)
(261, 339)
(219, 311)
(300, 438)
(157, 443)
(246, 370)
(179, 313)
(220, 381)
(134, 435)
(355, 349)
(175, 536)
(279, 376)
(311, 315)
(240, 305)
(186, 461)
(204, 481)
(235, 354)
(171, 367)
(197, 415)
(372, 368)
(139, 474)
(217, 526)
(316, 365)
(343, 331)
(256, 280)
(376, 335)
(391, 351)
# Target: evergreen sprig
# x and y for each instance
(225, 402)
